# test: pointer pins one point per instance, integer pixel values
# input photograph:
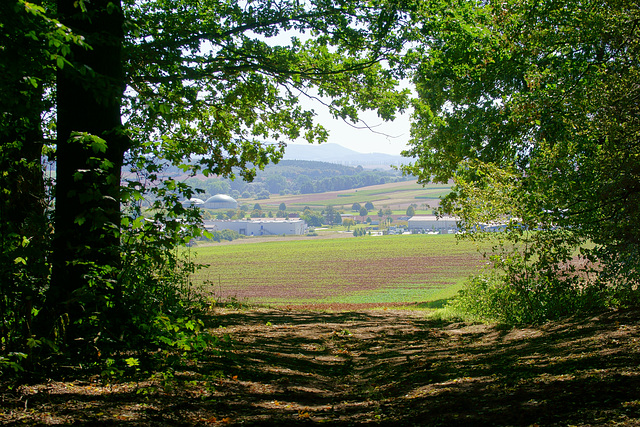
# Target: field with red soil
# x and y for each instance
(370, 270)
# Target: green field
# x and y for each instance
(410, 193)
(371, 269)
(397, 196)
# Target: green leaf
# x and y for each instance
(98, 145)
(132, 361)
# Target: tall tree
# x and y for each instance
(142, 85)
(32, 45)
(531, 107)
(90, 148)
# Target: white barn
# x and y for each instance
(433, 224)
(259, 227)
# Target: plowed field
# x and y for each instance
(368, 270)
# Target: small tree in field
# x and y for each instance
(363, 212)
(337, 218)
(348, 222)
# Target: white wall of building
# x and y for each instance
(259, 227)
(431, 223)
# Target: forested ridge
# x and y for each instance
(296, 177)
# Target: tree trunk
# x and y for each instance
(87, 207)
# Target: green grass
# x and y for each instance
(385, 269)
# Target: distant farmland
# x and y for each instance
(397, 195)
(366, 270)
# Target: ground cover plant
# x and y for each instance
(370, 270)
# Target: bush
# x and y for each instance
(146, 300)
(220, 235)
(493, 297)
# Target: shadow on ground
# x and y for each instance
(378, 367)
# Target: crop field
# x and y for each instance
(397, 195)
(371, 270)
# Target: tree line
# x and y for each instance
(296, 177)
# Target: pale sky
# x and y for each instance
(388, 138)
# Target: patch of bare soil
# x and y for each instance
(263, 239)
(380, 367)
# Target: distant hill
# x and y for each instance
(335, 153)
(298, 177)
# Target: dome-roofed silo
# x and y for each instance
(221, 201)
(194, 201)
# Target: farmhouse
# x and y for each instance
(433, 224)
(259, 227)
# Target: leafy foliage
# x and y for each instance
(140, 87)
(220, 235)
(531, 109)
(313, 219)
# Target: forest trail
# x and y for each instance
(380, 367)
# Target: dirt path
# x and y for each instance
(380, 367)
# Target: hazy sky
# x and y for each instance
(389, 137)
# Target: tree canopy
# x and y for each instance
(113, 92)
(531, 107)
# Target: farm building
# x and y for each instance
(219, 201)
(433, 224)
(259, 227)
(194, 201)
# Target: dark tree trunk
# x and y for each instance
(87, 210)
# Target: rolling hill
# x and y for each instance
(335, 153)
